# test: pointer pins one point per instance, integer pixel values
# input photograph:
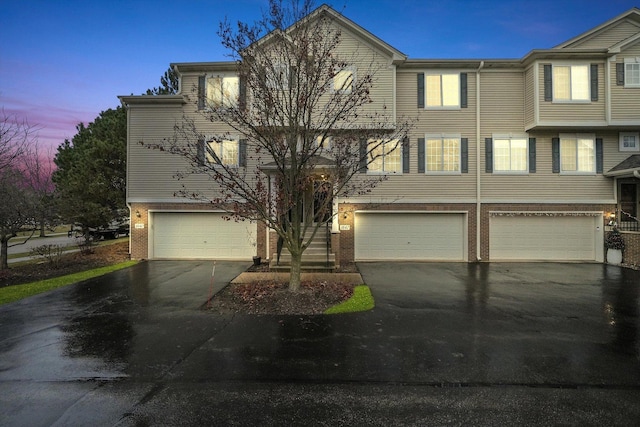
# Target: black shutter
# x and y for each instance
(488, 155)
(532, 155)
(202, 83)
(555, 155)
(200, 152)
(619, 73)
(463, 90)
(421, 158)
(548, 83)
(242, 93)
(599, 156)
(594, 82)
(405, 155)
(464, 155)
(293, 77)
(363, 156)
(242, 152)
(420, 90)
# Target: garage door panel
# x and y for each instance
(201, 236)
(544, 238)
(409, 236)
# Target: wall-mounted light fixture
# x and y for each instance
(137, 213)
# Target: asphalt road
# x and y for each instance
(56, 239)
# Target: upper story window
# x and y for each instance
(632, 74)
(510, 154)
(385, 156)
(225, 152)
(571, 83)
(443, 153)
(279, 77)
(323, 143)
(222, 90)
(577, 153)
(343, 80)
(629, 141)
(442, 90)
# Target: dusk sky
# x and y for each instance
(63, 62)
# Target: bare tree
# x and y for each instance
(15, 138)
(18, 206)
(300, 109)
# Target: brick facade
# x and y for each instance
(631, 253)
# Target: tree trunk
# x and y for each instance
(42, 233)
(4, 246)
(294, 276)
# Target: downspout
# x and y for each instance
(478, 153)
(127, 175)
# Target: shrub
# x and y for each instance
(52, 253)
(614, 240)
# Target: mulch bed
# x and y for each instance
(272, 297)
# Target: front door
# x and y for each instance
(629, 206)
(322, 203)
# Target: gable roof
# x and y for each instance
(632, 15)
(379, 44)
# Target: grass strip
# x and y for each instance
(361, 300)
(14, 293)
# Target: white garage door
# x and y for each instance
(409, 236)
(545, 238)
(178, 235)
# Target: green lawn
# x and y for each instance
(361, 300)
(14, 293)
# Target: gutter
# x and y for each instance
(478, 153)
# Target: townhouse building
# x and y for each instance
(529, 159)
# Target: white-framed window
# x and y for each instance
(577, 153)
(343, 80)
(279, 78)
(385, 156)
(629, 141)
(225, 152)
(571, 83)
(442, 90)
(443, 153)
(323, 142)
(510, 154)
(222, 90)
(632, 73)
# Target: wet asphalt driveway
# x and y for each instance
(447, 344)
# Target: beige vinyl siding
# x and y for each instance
(592, 111)
(367, 60)
(625, 101)
(502, 102)
(151, 172)
(529, 96)
(546, 186)
(608, 36)
(461, 121)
